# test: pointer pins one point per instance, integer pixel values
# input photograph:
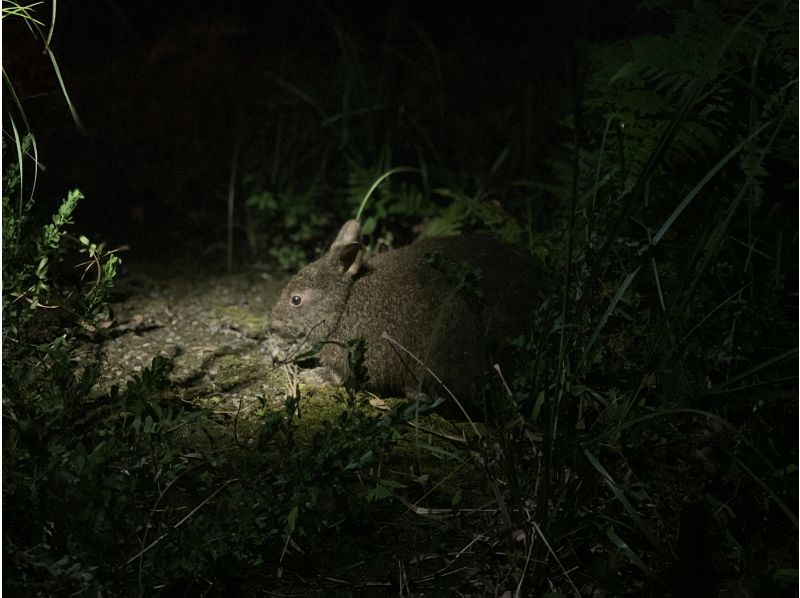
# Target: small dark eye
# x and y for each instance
(296, 300)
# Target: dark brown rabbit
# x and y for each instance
(413, 295)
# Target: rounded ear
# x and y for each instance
(349, 233)
(348, 258)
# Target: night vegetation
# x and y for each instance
(640, 441)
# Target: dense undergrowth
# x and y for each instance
(643, 439)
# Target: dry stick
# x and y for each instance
(181, 522)
(283, 554)
(236, 423)
(503, 379)
(518, 591)
(300, 350)
(360, 584)
(155, 506)
(291, 381)
(454, 439)
(436, 576)
(424, 511)
(401, 577)
(555, 556)
(435, 377)
(421, 510)
(462, 551)
(498, 497)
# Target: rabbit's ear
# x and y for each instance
(349, 257)
(349, 233)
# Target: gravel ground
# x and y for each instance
(210, 325)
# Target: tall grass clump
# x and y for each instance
(639, 430)
(318, 139)
(55, 285)
(54, 282)
(644, 430)
(678, 333)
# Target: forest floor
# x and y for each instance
(210, 325)
(212, 328)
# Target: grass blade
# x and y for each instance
(625, 548)
(620, 496)
(763, 365)
(380, 179)
(609, 310)
(703, 182)
(781, 505)
(18, 146)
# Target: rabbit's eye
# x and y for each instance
(296, 300)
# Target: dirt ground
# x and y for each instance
(211, 325)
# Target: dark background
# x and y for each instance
(163, 90)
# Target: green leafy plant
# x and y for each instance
(326, 144)
(638, 405)
(46, 310)
(662, 285)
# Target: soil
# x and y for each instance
(211, 325)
